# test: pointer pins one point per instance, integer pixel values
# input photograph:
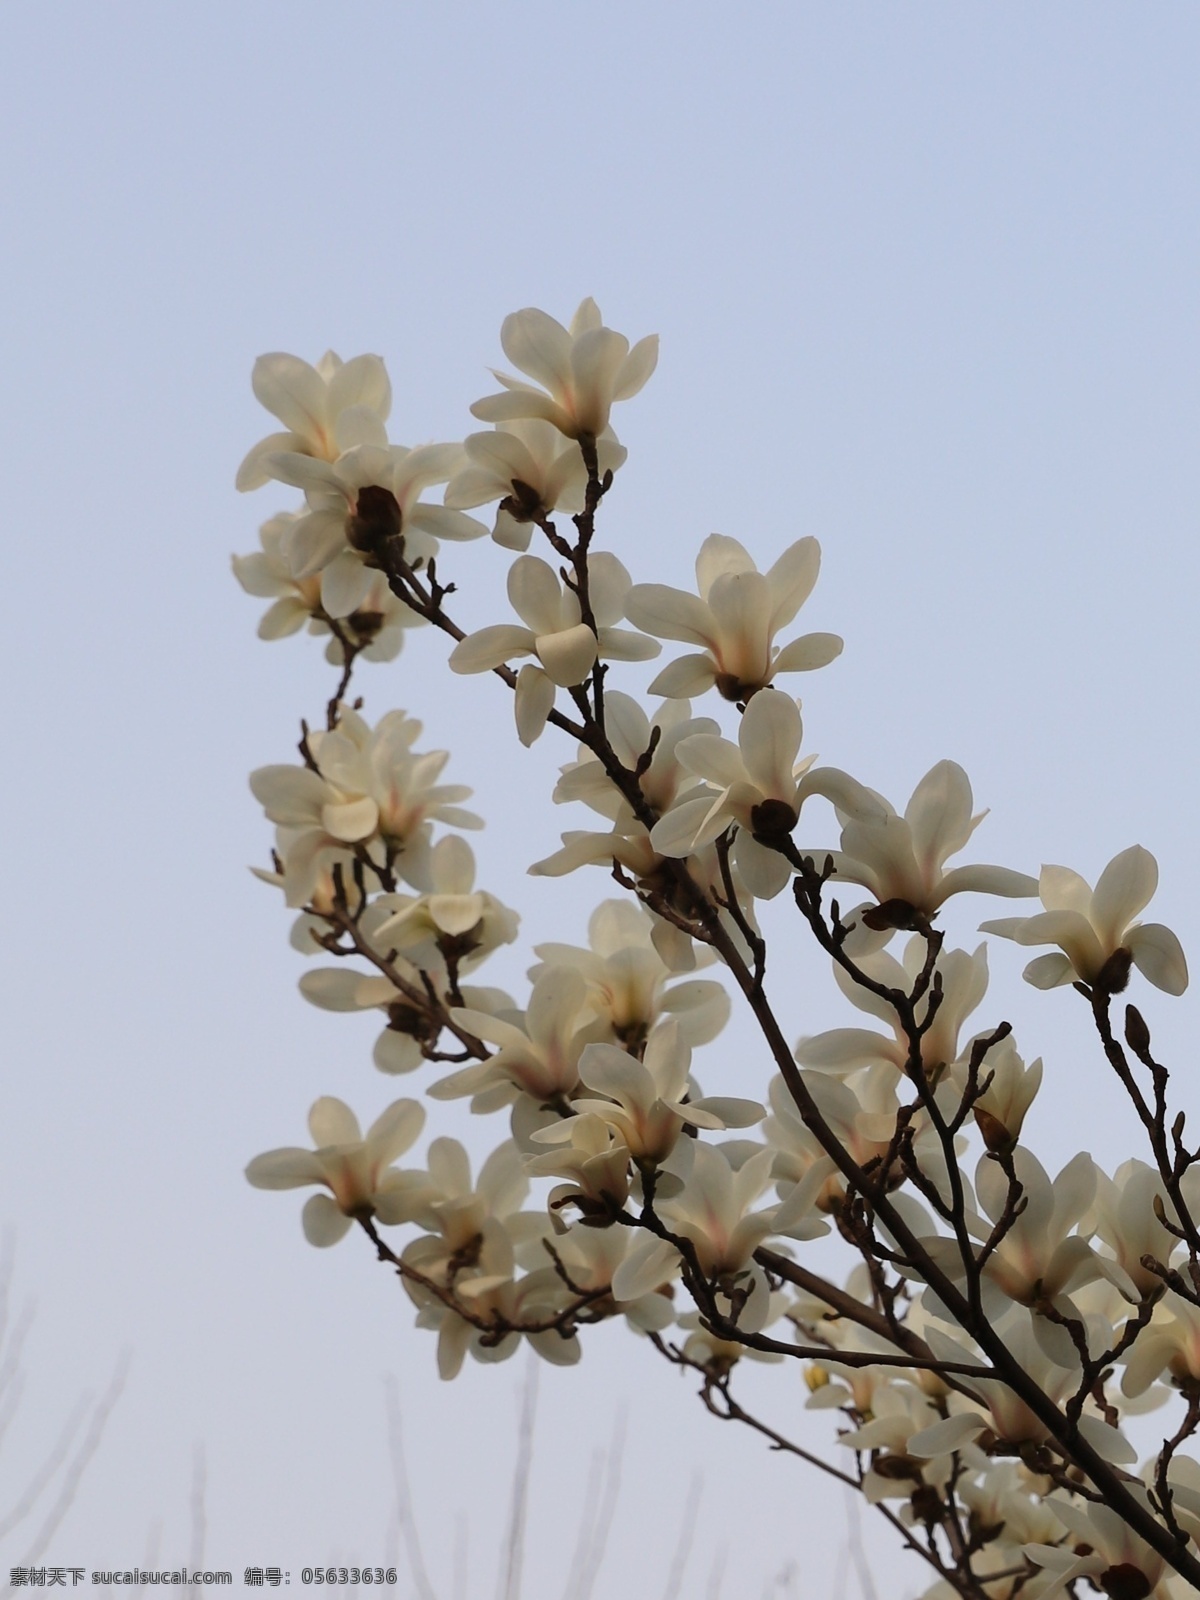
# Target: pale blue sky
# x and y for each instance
(925, 277)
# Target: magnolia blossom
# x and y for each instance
(627, 978)
(565, 647)
(537, 1054)
(758, 784)
(1001, 1411)
(638, 741)
(964, 979)
(370, 789)
(1041, 1257)
(583, 371)
(712, 1210)
(593, 1159)
(647, 1102)
(326, 409)
(902, 860)
(735, 618)
(376, 629)
(367, 495)
(358, 1172)
(528, 467)
(454, 920)
(1095, 930)
(1105, 1547)
(1011, 1087)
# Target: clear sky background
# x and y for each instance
(926, 280)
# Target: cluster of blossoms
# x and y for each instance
(999, 1324)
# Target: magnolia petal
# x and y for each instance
(686, 677)
(669, 613)
(359, 425)
(255, 469)
(323, 1223)
(351, 820)
(510, 534)
(845, 1049)
(361, 382)
(650, 1263)
(718, 556)
(622, 644)
(342, 989)
(345, 583)
(791, 580)
(532, 703)
(637, 368)
(568, 656)
(490, 648)
(1001, 881)
(314, 541)
(732, 1110)
(675, 833)
(395, 1130)
(294, 392)
(331, 1121)
(539, 346)
(396, 1053)
(946, 1436)
(939, 815)
(517, 403)
(285, 1169)
(1159, 957)
(444, 522)
(291, 796)
(769, 736)
(257, 575)
(764, 871)
(286, 616)
(1064, 890)
(1049, 972)
(1125, 887)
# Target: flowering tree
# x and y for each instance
(998, 1323)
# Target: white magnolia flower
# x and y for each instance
(455, 920)
(564, 646)
(647, 1102)
(591, 1258)
(1104, 1547)
(627, 978)
(757, 784)
(632, 734)
(1042, 1256)
(1126, 1216)
(529, 467)
(326, 409)
(1095, 930)
(593, 1159)
(377, 627)
(537, 1054)
(964, 978)
(370, 789)
(358, 1172)
(734, 619)
(367, 495)
(1000, 1110)
(902, 860)
(1002, 1411)
(583, 371)
(1171, 1344)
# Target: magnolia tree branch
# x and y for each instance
(993, 1331)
